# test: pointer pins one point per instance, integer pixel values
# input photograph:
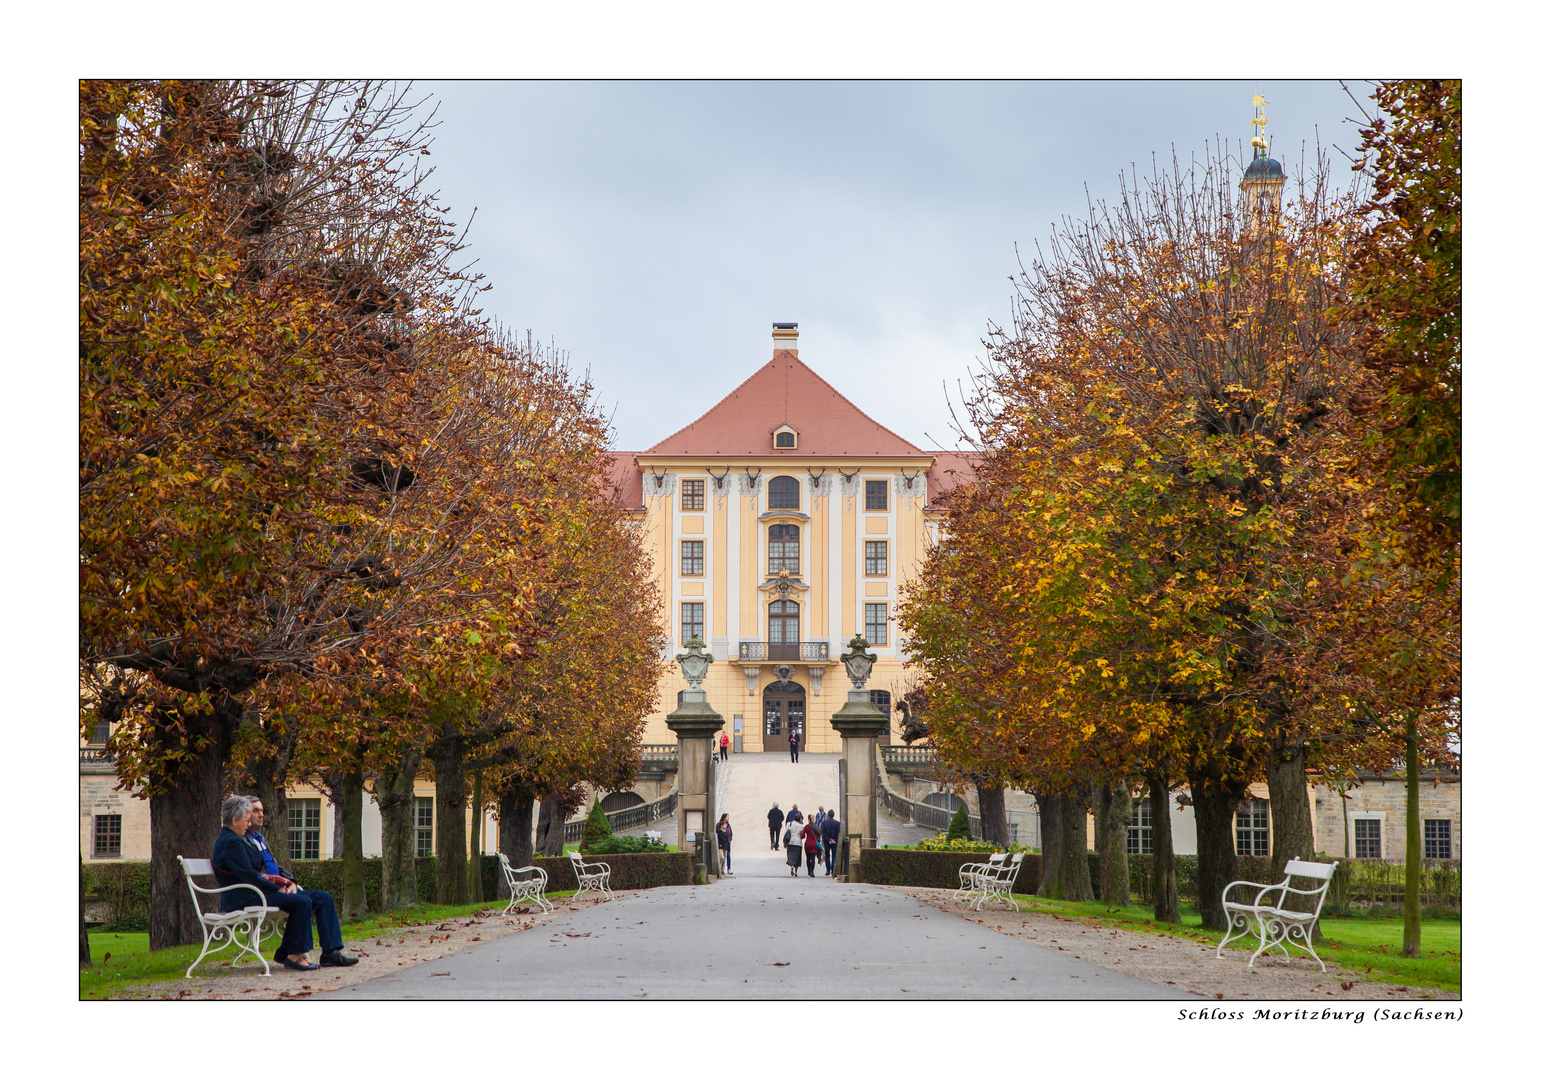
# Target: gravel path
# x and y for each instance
(379, 954)
(1180, 962)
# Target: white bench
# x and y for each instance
(995, 881)
(243, 928)
(969, 875)
(592, 877)
(1275, 926)
(521, 890)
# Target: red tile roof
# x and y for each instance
(626, 479)
(951, 470)
(785, 391)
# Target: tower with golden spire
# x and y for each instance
(1262, 186)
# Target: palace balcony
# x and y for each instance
(802, 652)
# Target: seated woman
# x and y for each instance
(237, 861)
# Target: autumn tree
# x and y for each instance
(278, 481)
(1172, 404)
(572, 709)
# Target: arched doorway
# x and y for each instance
(783, 710)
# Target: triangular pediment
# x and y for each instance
(785, 393)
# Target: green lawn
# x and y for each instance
(121, 961)
(1371, 947)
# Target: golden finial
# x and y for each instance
(1259, 122)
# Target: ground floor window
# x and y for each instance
(107, 836)
(1436, 838)
(1252, 827)
(424, 827)
(1141, 837)
(1366, 838)
(304, 828)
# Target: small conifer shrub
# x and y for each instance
(595, 829)
(958, 828)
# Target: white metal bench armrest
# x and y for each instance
(1256, 900)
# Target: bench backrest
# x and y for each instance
(1311, 871)
(196, 867)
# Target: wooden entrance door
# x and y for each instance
(783, 710)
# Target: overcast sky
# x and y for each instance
(655, 230)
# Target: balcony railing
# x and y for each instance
(799, 651)
(661, 753)
(97, 755)
(906, 755)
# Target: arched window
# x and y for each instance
(783, 548)
(785, 494)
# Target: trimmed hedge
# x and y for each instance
(935, 869)
(645, 870)
(125, 886)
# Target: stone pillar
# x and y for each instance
(859, 723)
(696, 724)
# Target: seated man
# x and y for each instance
(237, 861)
(255, 822)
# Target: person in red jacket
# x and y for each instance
(722, 747)
(811, 848)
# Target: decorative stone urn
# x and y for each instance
(859, 723)
(696, 724)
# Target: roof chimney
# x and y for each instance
(783, 338)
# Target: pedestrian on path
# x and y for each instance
(794, 814)
(793, 839)
(722, 747)
(811, 847)
(725, 842)
(775, 817)
(831, 830)
(792, 740)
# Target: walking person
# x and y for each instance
(722, 747)
(775, 817)
(793, 738)
(725, 843)
(831, 830)
(811, 847)
(793, 839)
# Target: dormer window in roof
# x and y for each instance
(784, 437)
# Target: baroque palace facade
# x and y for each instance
(783, 522)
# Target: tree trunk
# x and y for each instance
(85, 939)
(398, 833)
(268, 785)
(354, 902)
(1289, 803)
(185, 821)
(1214, 811)
(515, 811)
(1412, 896)
(548, 834)
(335, 780)
(1049, 837)
(475, 875)
(450, 808)
(1164, 870)
(992, 815)
(1113, 814)
(1065, 873)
